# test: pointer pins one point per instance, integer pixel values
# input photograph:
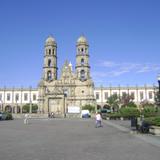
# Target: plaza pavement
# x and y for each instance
(74, 139)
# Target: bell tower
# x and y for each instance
(82, 59)
(50, 60)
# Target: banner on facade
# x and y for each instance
(73, 109)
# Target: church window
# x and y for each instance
(133, 95)
(82, 61)
(49, 51)
(49, 63)
(115, 93)
(82, 75)
(49, 75)
(8, 96)
(34, 97)
(82, 49)
(97, 95)
(17, 97)
(141, 96)
(124, 94)
(150, 95)
(106, 95)
(0, 96)
(26, 97)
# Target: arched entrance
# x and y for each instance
(106, 106)
(16, 109)
(56, 106)
(98, 107)
(8, 108)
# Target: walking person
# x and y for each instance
(26, 116)
(98, 120)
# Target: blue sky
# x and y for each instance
(124, 38)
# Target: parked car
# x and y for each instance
(104, 113)
(85, 114)
(5, 116)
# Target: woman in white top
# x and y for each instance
(98, 120)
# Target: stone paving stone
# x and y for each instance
(71, 139)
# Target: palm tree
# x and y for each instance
(113, 102)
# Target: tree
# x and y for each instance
(34, 108)
(26, 108)
(89, 107)
(126, 100)
(145, 104)
(128, 112)
(157, 99)
(113, 102)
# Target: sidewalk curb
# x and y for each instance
(155, 141)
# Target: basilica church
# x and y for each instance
(73, 89)
(66, 95)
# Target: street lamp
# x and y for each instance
(65, 95)
(30, 107)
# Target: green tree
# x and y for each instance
(145, 104)
(157, 99)
(128, 112)
(149, 112)
(26, 108)
(34, 108)
(126, 100)
(89, 107)
(113, 102)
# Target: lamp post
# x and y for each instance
(65, 95)
(30, 107)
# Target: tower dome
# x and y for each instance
(82, 40)
(50, 41)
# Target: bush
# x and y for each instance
(149, 112)
(8, 116)
(26, 108)
(89, 107)
(132, 104)
(114, 116)
(153, 120)
(34, 108)
(129, 112)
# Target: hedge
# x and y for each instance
(155, 121)
(129, 112)
(149, 112)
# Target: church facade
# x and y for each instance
(72, 90)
